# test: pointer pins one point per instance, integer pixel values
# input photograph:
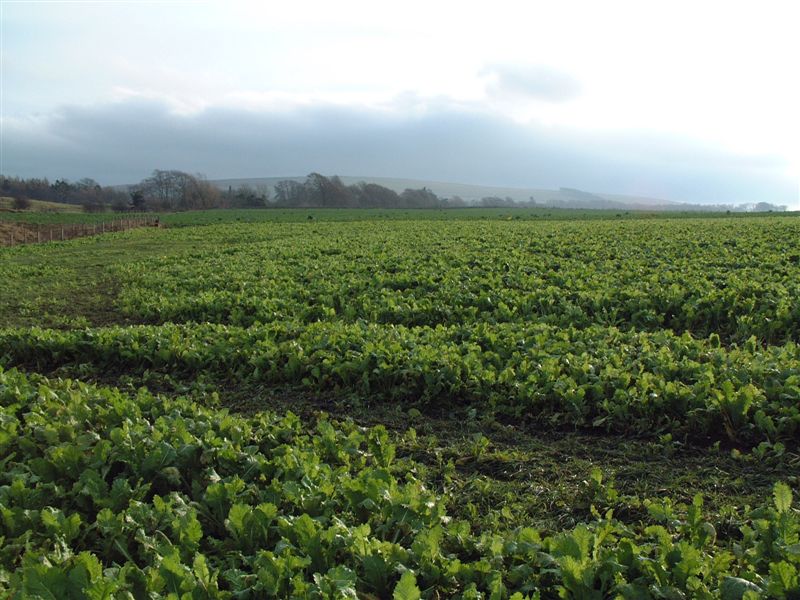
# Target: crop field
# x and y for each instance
(403, 404)
(294, 215)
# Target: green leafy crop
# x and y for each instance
(680, 331)
(104, 495)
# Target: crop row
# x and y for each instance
(737, 279)
(629, 382)
(103, 495)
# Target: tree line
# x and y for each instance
(319, 191)
(170, 190)
(173, 190)
(85, 192)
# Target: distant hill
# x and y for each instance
(563, 198)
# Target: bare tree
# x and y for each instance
(176, 190)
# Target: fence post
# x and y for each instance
(62, 233)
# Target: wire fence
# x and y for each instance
(14, 233)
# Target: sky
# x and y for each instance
(690, 101)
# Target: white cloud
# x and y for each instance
(122, 142)
(713, 74)
(531, 82)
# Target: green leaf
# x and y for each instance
(44, 583)
(782, 578)
(376, 572)
(104, 589)
(342, 578)
(406, 588)
(733, 588)
(236, 518)
(783, 497)
(201, 571)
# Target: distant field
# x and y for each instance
(297, 215)
(53, 218)
(7, 204)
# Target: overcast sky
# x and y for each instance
(694, 101)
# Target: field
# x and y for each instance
(290, 215)
(402, 404)
(7, 204)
